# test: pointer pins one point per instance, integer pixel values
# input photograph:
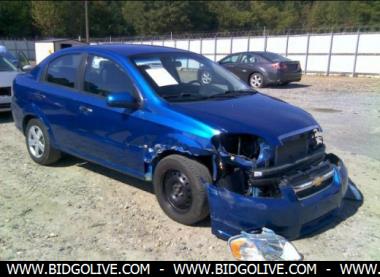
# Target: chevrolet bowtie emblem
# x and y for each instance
(317, 181)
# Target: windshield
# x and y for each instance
(6, 65)
(181, 77)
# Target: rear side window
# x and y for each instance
(103, 76)
(63, 70)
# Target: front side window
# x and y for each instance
(230, 59)
(188, 77)
(103, 76)
(63, 70)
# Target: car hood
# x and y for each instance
(258, 114)
(7, 77)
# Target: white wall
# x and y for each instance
(313, 51)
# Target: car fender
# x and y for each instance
(33, 111)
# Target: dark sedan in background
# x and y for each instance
(259, 69)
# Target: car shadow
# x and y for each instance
(69, 160)
(289, 86)
(348, 209)
(6, 117)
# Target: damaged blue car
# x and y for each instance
(210, 144)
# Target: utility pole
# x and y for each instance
(86, 20)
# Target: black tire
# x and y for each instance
(256, 80)
(195, 175)
(49, 155)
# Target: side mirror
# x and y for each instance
(27, 68)
(122, 100)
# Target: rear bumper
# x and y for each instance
(287, 215)
(282, 77)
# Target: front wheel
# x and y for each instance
(179, 184)
(38, 143)
(256, 80)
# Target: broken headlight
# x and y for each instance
(262, 246)
(316, 139)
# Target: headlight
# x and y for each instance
(264, 246)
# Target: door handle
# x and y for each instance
(85, 109)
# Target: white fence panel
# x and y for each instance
(208, 46)
(277, 44)
(169, 43)
(223, 46)
(344, 44)
(342, 63)
(297, 44)
(319, 44)
(182, 44)
(369, 43)
(195, 46)
(317, 63)
(239, 45)
(368, 64)
(257, 44)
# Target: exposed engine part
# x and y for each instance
(241, 145)
(249, 166)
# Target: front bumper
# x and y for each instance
(5, 103)
(287, 215)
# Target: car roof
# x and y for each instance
(130, 49)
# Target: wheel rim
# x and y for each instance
(177, 190)
(206, 78)
(256, 80)
(36, 141)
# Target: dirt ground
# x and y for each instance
(78, 210)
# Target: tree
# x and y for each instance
(15, 19)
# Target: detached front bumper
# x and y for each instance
(288, 215)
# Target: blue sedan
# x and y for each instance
(215, 148)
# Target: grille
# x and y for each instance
(5, 106)
(292, 150)
(5, 91)
(304, 183)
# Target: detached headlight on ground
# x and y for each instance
(264, 246)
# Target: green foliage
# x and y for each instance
(126, 18)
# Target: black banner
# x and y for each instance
(188, 268)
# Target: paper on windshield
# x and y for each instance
(161, 76)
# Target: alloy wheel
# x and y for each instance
(36, 141)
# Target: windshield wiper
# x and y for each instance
(182, 96)
(232, 93)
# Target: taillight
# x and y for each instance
(279, 66)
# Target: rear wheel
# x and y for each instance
(38, 143)
(256, 80)
(179, 184)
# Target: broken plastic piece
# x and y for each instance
(263, 246)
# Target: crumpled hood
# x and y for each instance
(259, 114)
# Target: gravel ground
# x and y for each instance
(78, 210)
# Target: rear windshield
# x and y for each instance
(273, 57)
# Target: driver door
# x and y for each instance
(108, 135)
